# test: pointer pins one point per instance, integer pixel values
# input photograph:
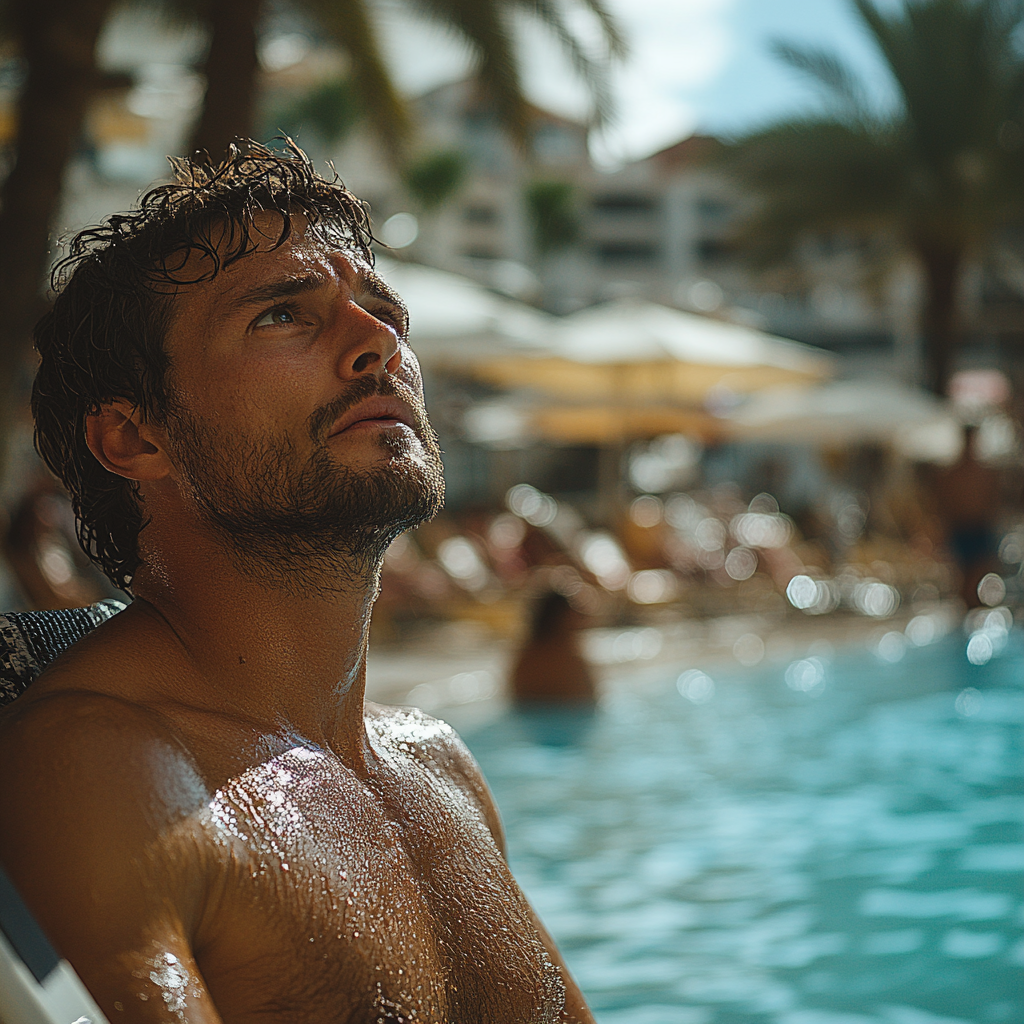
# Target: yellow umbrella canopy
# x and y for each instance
(610, 424)
(631, 351)
(515, 420)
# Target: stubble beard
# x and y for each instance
(319, 527)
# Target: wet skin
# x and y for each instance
(201, 809)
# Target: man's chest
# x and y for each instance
(336, 901)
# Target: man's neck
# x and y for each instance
(290, 663)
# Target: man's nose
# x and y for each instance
(373, 346)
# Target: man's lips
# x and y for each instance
(382, 411)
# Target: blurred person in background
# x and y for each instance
(550, 668)
(48, 566)
(967, 500)
(227, 389)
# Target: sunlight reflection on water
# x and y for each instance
(848, 852)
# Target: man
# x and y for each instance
(198, 805)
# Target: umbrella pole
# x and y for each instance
(609, 482)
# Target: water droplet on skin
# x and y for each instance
(119, 1006)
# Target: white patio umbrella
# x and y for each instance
(845, 412)
(631, 351)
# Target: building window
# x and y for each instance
(555, 145)
(626, 252)
(712, 250)
(480, 215)
(713, 211)
(623, 203)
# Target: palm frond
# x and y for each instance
(828, 70)
(593, 71)
(956, 63)
(615, 39)
(349, 23)
(486, 26)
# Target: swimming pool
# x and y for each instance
(830, 840)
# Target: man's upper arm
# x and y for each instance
(96, 830)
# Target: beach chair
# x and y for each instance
(29, 641)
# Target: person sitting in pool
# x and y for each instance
(550, 668)
(198, 804)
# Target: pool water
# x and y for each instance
(729, 849)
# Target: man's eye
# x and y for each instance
(390, 316)
(278, 315)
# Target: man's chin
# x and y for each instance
(407, 453)
(308, 526)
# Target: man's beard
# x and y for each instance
(321, 526)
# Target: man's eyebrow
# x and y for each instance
(282, 288)
(291, 285)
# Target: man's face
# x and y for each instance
(296, 421)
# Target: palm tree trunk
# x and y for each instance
(58, 40)
(231, 69)
(940, 319)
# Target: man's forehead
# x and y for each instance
(306, 251)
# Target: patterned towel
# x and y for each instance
(29, 641)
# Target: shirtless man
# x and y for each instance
(198, 805)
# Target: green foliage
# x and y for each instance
(554, 215)
(435, 177)
(945, 166)
(330, 109)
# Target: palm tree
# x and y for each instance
(485, 25)
(57, 43)
(940, 172)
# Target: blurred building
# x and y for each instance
(661, 228)
(552, 229)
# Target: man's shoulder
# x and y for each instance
(76, 753)
(67, 750)
(410, 732)
(407, 724)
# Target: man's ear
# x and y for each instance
(125, 444)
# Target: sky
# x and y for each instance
(695, 65)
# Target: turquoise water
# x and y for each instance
(851, 854)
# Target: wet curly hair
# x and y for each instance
(103, 337)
